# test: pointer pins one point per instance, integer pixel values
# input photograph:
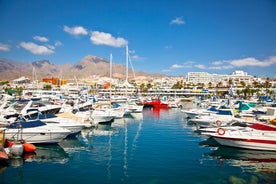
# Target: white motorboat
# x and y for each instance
(102, 116)
(95, 116)
(221, 118)
(29, 108)
(192, 113)
(36, 131)
(269, 115)
(64, 122)
(232, 125)
(134, 108)
(258, 136)
(85, 121)
(67, 123)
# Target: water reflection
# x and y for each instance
(48, 153)
(73, 144)
(44, 153)
(248, 160)
(262, 164)
(154, 112)
(54, 153)
(137, 116)
(99, 130)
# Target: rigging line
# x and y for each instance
(125, 150)
(134, 144)
(132, 68)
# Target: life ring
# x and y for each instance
(218, 123)
(221, 131)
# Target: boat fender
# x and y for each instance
(8, 143)
(28, 147)
(221, 131)
(218, 123)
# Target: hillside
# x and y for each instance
(88, 67)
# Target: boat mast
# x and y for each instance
(110, 73)
(126, 63)
(35, 82)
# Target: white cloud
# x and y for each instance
(58, 43)
(253, 62)
(131, 51)
(50, 47)
(77, 30)
(102, 38)
(217, 63)
(135, 58)
(166, 70)
(174, 66)
(239, 63)
(36, 49)
(4, 47)
(187, 64)
(178, 21)
(200, 66)
(40, 38)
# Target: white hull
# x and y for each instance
(37, 134)
(101, 119)
(40, 137)
(243, 143)
(101, 116)
(247, 138)
(207, 121)
(66, 123)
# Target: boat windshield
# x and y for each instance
(26, 124)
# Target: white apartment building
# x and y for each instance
(204, 77)
(199, 77)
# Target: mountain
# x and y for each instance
(89, 67)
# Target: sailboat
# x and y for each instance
(131, 106)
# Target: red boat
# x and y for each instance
(155, 103)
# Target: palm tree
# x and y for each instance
(177, 85)
(267, 83)
(246, 91)
(149, 85)
(142, 86)
(230, 82)
(210, 84)
(220, 84)
(238, 92)
(256, 84)
(243, 83)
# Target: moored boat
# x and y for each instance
(36, 131)
(155, 103)
(257, 137)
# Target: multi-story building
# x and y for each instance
(203, 77)
(199, 77)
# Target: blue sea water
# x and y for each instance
(154, 147)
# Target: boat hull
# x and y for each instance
(247, 143)
(38, 137)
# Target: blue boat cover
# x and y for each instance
(26, 124)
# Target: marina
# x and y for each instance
(154, 146)
(130, 92)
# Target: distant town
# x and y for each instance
(195, 83)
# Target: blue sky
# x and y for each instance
(168, 37)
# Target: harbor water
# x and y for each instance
(156, 146)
